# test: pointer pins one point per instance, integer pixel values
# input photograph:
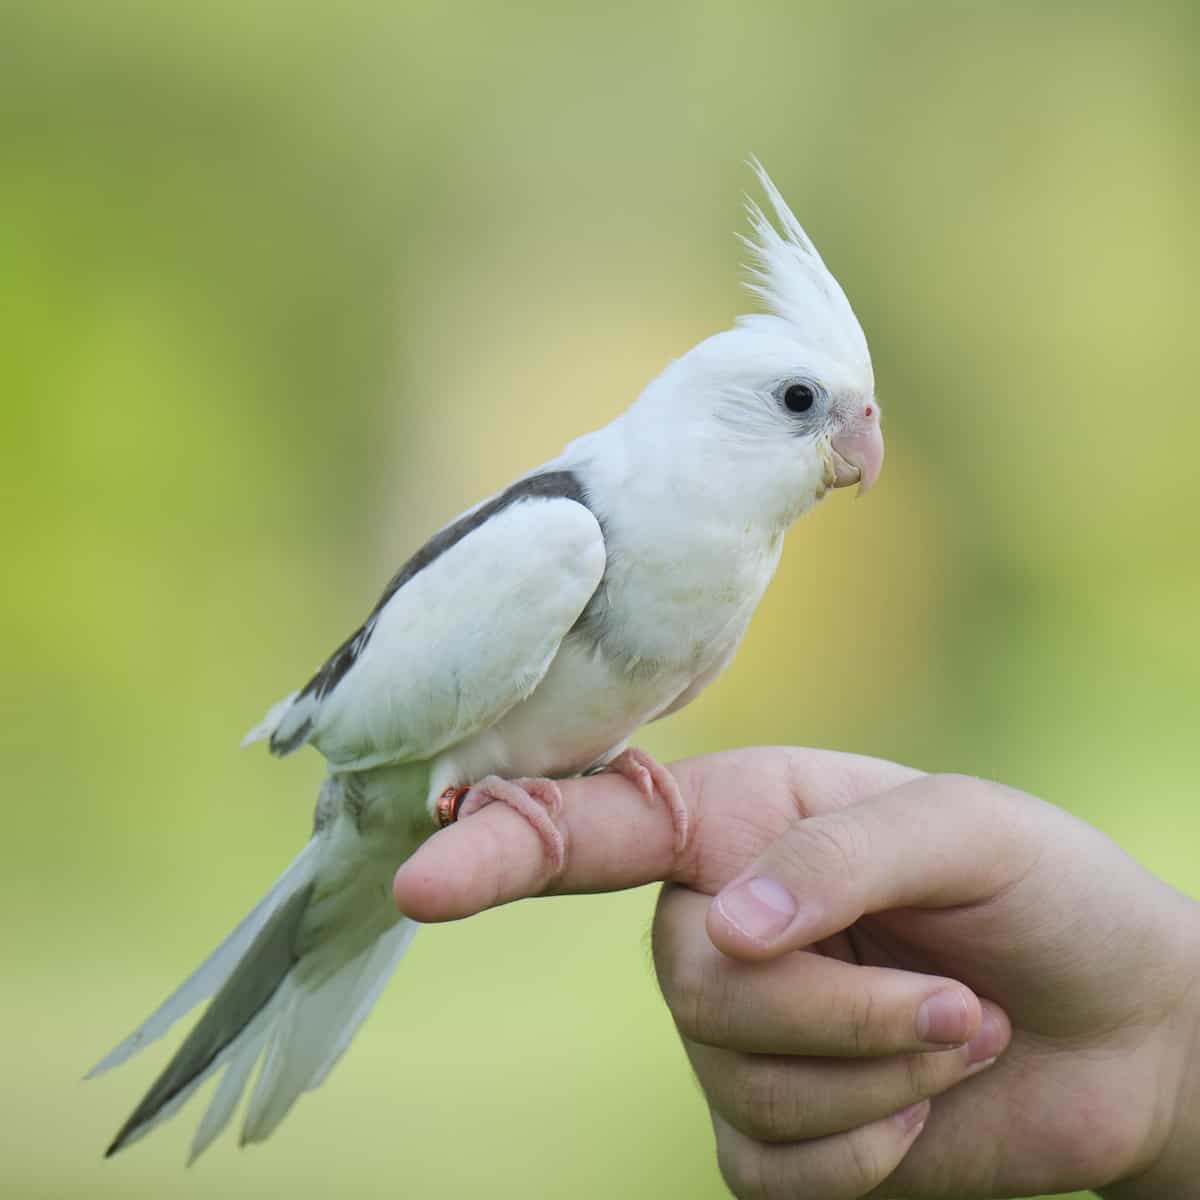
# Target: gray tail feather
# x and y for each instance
(217, 967)
(296, 1012)
(242, 999)
(295, 980)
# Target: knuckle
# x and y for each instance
(741, 1167)
(693, 992)
(1000, 812)
(861, 1013)
(957, 788)
(668, 945)
(686, 999)
(751, 1174)
(829, 846)
(953, 781)
(928, 1074)
(866, 1162)
(663, 932)
(769, 1107)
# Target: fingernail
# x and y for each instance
(912, 1117)
(942, 1019)
(989, 1040)
(760, 908)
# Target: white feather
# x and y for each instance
(313, 1026)
(792, 280)
(384, 957)
(270, 722)
(466, 638)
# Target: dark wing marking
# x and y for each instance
(552, 485)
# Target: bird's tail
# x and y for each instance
(293, 982)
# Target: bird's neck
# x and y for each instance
(705, 479)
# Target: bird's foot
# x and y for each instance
(654, 781)
(538, 800)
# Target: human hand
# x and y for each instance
(904, 884)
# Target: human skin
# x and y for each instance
(1062, 1053)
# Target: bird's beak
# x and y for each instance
(858, 455)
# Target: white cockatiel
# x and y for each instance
(528, 641)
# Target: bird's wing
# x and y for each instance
(465, 630)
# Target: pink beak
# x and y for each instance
(858, 453)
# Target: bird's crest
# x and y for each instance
(791, 279)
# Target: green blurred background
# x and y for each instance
(287, 285)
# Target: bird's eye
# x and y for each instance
(799, 398)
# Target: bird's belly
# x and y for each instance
(584, 707)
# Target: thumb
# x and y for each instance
(935, 842)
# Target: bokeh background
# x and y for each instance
(287, 285)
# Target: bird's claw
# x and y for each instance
(539, 801)
(654, 781)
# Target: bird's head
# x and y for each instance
(787, 396)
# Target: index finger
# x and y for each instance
(738, 802)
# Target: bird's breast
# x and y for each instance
(658, 626)
(680, 604)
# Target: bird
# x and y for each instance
(524, 643)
